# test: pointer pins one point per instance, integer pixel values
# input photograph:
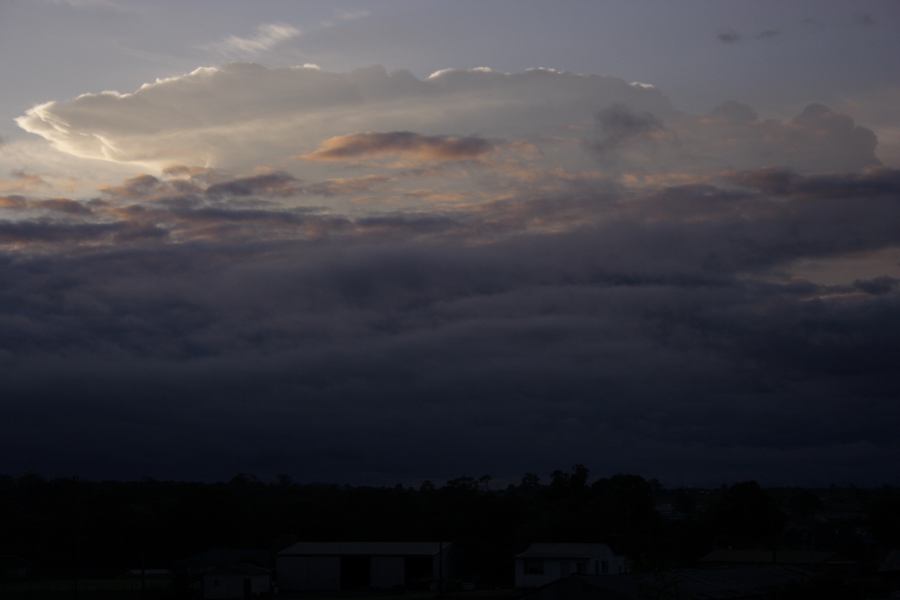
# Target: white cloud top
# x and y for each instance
(243, 115)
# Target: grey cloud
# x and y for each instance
(729, 36)
(816, 140)
(64, 205)
(38, 232)
(270, 184)
(767, 34)
(404, 143)
(618, 126)
(878, 285)
(735, 111)
(636, 320)
(347, 185)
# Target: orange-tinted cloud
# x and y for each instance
(403, 143)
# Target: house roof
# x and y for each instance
(364, 549)
(564, 550)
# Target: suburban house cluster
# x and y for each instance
(542, 571)
(379, 566)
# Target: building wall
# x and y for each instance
(323, 573)
(552, 570)
(387, 572)
(222, 587)
(556, 568)
(309, 573)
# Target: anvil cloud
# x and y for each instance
(241, 115)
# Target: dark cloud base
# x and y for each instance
(644, 334)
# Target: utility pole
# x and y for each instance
(440, 569)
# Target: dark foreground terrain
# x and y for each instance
(67, 538)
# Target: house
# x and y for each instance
(333, 566)
(542, 563)
(240, 581)
(221, 573)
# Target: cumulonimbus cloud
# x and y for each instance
(261, 114)
(243, 115)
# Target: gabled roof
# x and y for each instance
(364, 549)
(564, 550)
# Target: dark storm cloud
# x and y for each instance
(767, 34)
(729, 36)
(64, 205)
(618, 126)
(878, 285)
(405, 143)
(270, 184)
(37, 232)
(136, 187)
(587, 323)
(347, 185)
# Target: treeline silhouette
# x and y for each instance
(66, 525)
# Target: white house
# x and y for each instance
(324, 566)
(241, 581)
(543, 563)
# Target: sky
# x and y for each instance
(389, 241)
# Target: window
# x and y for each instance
(534, 566)
(604, 566)
(581, 567)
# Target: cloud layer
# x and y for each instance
(194, 325)
(263, 115)
(369, 276)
